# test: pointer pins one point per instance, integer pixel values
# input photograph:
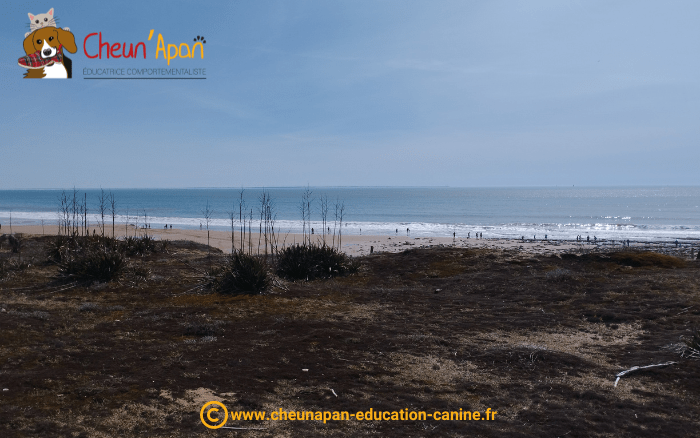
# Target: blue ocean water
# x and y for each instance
(637, 213)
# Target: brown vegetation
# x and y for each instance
(538, 339)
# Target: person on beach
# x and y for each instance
(171, 226)
(397, 231)
(468, 234)
(545, 237)
(454, 235)
(588, 239)
(408, 232)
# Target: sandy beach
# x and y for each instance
(355, 245)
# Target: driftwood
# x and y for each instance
(244, 428)
(620, 374)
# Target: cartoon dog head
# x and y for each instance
(47, 40)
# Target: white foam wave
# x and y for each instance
(601, 230)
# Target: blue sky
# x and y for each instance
(364, 93)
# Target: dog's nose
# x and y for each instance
(47, 52)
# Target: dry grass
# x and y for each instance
(539, 339)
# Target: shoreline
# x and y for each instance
(360, 245)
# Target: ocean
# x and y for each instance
(635, 213)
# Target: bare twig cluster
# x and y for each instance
(72, 214)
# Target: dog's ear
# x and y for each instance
(29, 44)
(67, 40)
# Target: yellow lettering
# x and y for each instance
(201, 49)
(213, 420)
(161, 46)
(181, 51)
(170, 55)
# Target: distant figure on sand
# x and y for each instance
(200, 225)
(454, 235)
(397, 231)
(312, 231)
(408, 232)
(171, 226)
(469, 234)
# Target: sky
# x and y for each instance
(362, 93)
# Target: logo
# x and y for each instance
(209, 418)
(182, 50)
(45, 46)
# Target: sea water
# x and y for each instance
(635, 213)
